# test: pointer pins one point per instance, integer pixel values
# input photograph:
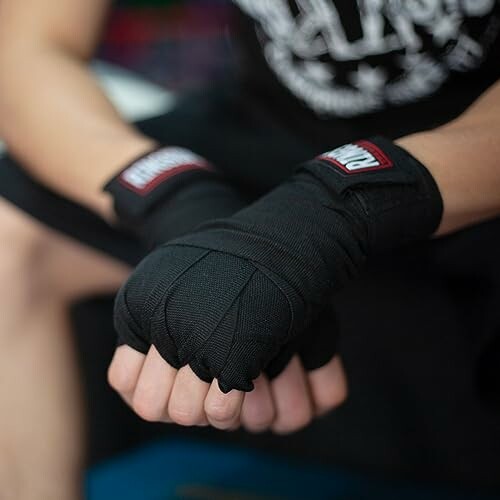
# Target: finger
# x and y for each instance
(294, 409)
(223, 410)
(124, 370)
(187, 399)
(328, 386)
(257, 412)
(153, 388)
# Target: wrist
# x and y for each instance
(382, 185)
(121, 153)
(462, 170)
(168, 192)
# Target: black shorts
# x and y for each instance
(424, 400)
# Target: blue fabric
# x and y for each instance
(179, 470)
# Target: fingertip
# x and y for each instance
(124, 369)
(258, 411)
(223, 409)
(153, 388)
(185, 406)
(328, 386)
(294, 409)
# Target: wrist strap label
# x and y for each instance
(358, 157)
(157, 167)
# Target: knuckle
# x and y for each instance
(146, 408)
(340, 395)
(257, 418)
(183, 416)
(221, 411)
(118, 380)
(332, 399)
(264, 419)
(114, 380)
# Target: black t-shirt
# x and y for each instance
(339, 69)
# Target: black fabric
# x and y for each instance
(292, 52)
(151, 179)
(315, 345)
(401, 203)
(180, 202)
(178, 207)
(65, 216)
(227, 298)
(182, 210)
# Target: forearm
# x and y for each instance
(464, 158)
(57, 121)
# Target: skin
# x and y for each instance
(158, 392)
(75, 153)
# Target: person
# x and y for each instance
(63, 252)
(315, 75)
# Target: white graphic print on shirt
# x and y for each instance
(307, 45)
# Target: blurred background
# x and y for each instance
(174, 43)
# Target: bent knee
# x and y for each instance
(22, 247)
(38, 264)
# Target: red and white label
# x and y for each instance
(148, 172)
(357, 157)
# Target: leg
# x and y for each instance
(41, 440)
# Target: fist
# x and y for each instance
(223, 315)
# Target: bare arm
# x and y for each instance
(53, 115)
(464, 158)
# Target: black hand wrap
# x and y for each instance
(169, 192)
(316, 345)
(230, 297)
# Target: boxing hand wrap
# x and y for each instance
(387, 189)
(167, 193)
(316, 345)
(231, 296)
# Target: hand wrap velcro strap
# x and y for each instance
(392, 191)
(167, 193)
(231, 296)
(151, 178)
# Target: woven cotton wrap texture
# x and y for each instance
(231, 296)
(178, 205)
